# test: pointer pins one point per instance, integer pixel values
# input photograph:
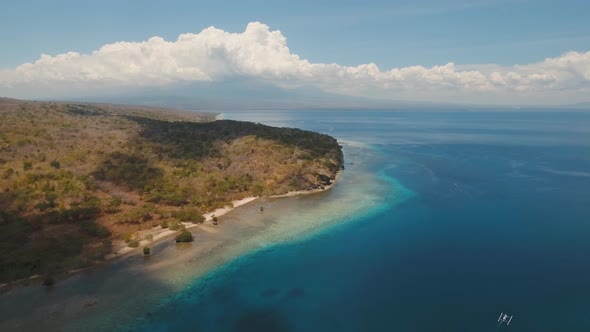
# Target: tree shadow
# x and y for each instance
(131, 171)
(195, 140)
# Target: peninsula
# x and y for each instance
(77, 177)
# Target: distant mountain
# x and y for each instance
(255, 94)
(258, 95)
(585, 106)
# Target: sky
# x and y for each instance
(516, 52)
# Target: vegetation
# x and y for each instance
(74, 177)
(147, 251)
(189, 215)
(184, 236)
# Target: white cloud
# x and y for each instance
(259, 53)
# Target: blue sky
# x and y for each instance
(390, 34)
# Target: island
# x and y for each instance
(75, 178)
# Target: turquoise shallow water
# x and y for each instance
(485, 212)
(441, 221)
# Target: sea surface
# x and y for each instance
(441, 221)
(495, 217)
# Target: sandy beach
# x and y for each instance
(158, 233)
(158, 236)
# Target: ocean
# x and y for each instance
(441, 221)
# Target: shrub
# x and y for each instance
(174, 226)
(173, 197)
(185, 236)
(257, 189)
(147, 251)
(133, 244)
(114, 205)
(149, 237)
(43, 206)
(136, 216)
(127, 238)
(192, 215)
(177, 226)
(199, 220)
(55, 164)
(88, 181)
(91, 202)
(27, 165)
(51, 197)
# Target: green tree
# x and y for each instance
(51, 197)
(185, 236)
(189, 214)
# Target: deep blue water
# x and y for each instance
(499, 221)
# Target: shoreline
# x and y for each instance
(130, 288)
(121, 250)
(160, 234)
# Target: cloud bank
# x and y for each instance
(259, 53)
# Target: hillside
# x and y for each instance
(74, 177)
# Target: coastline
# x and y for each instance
(160, 234)
(132, 285)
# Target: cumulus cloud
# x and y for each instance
(260, 53)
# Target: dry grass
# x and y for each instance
(71, 173)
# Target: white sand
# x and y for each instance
(224, 210)
(158, 233)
